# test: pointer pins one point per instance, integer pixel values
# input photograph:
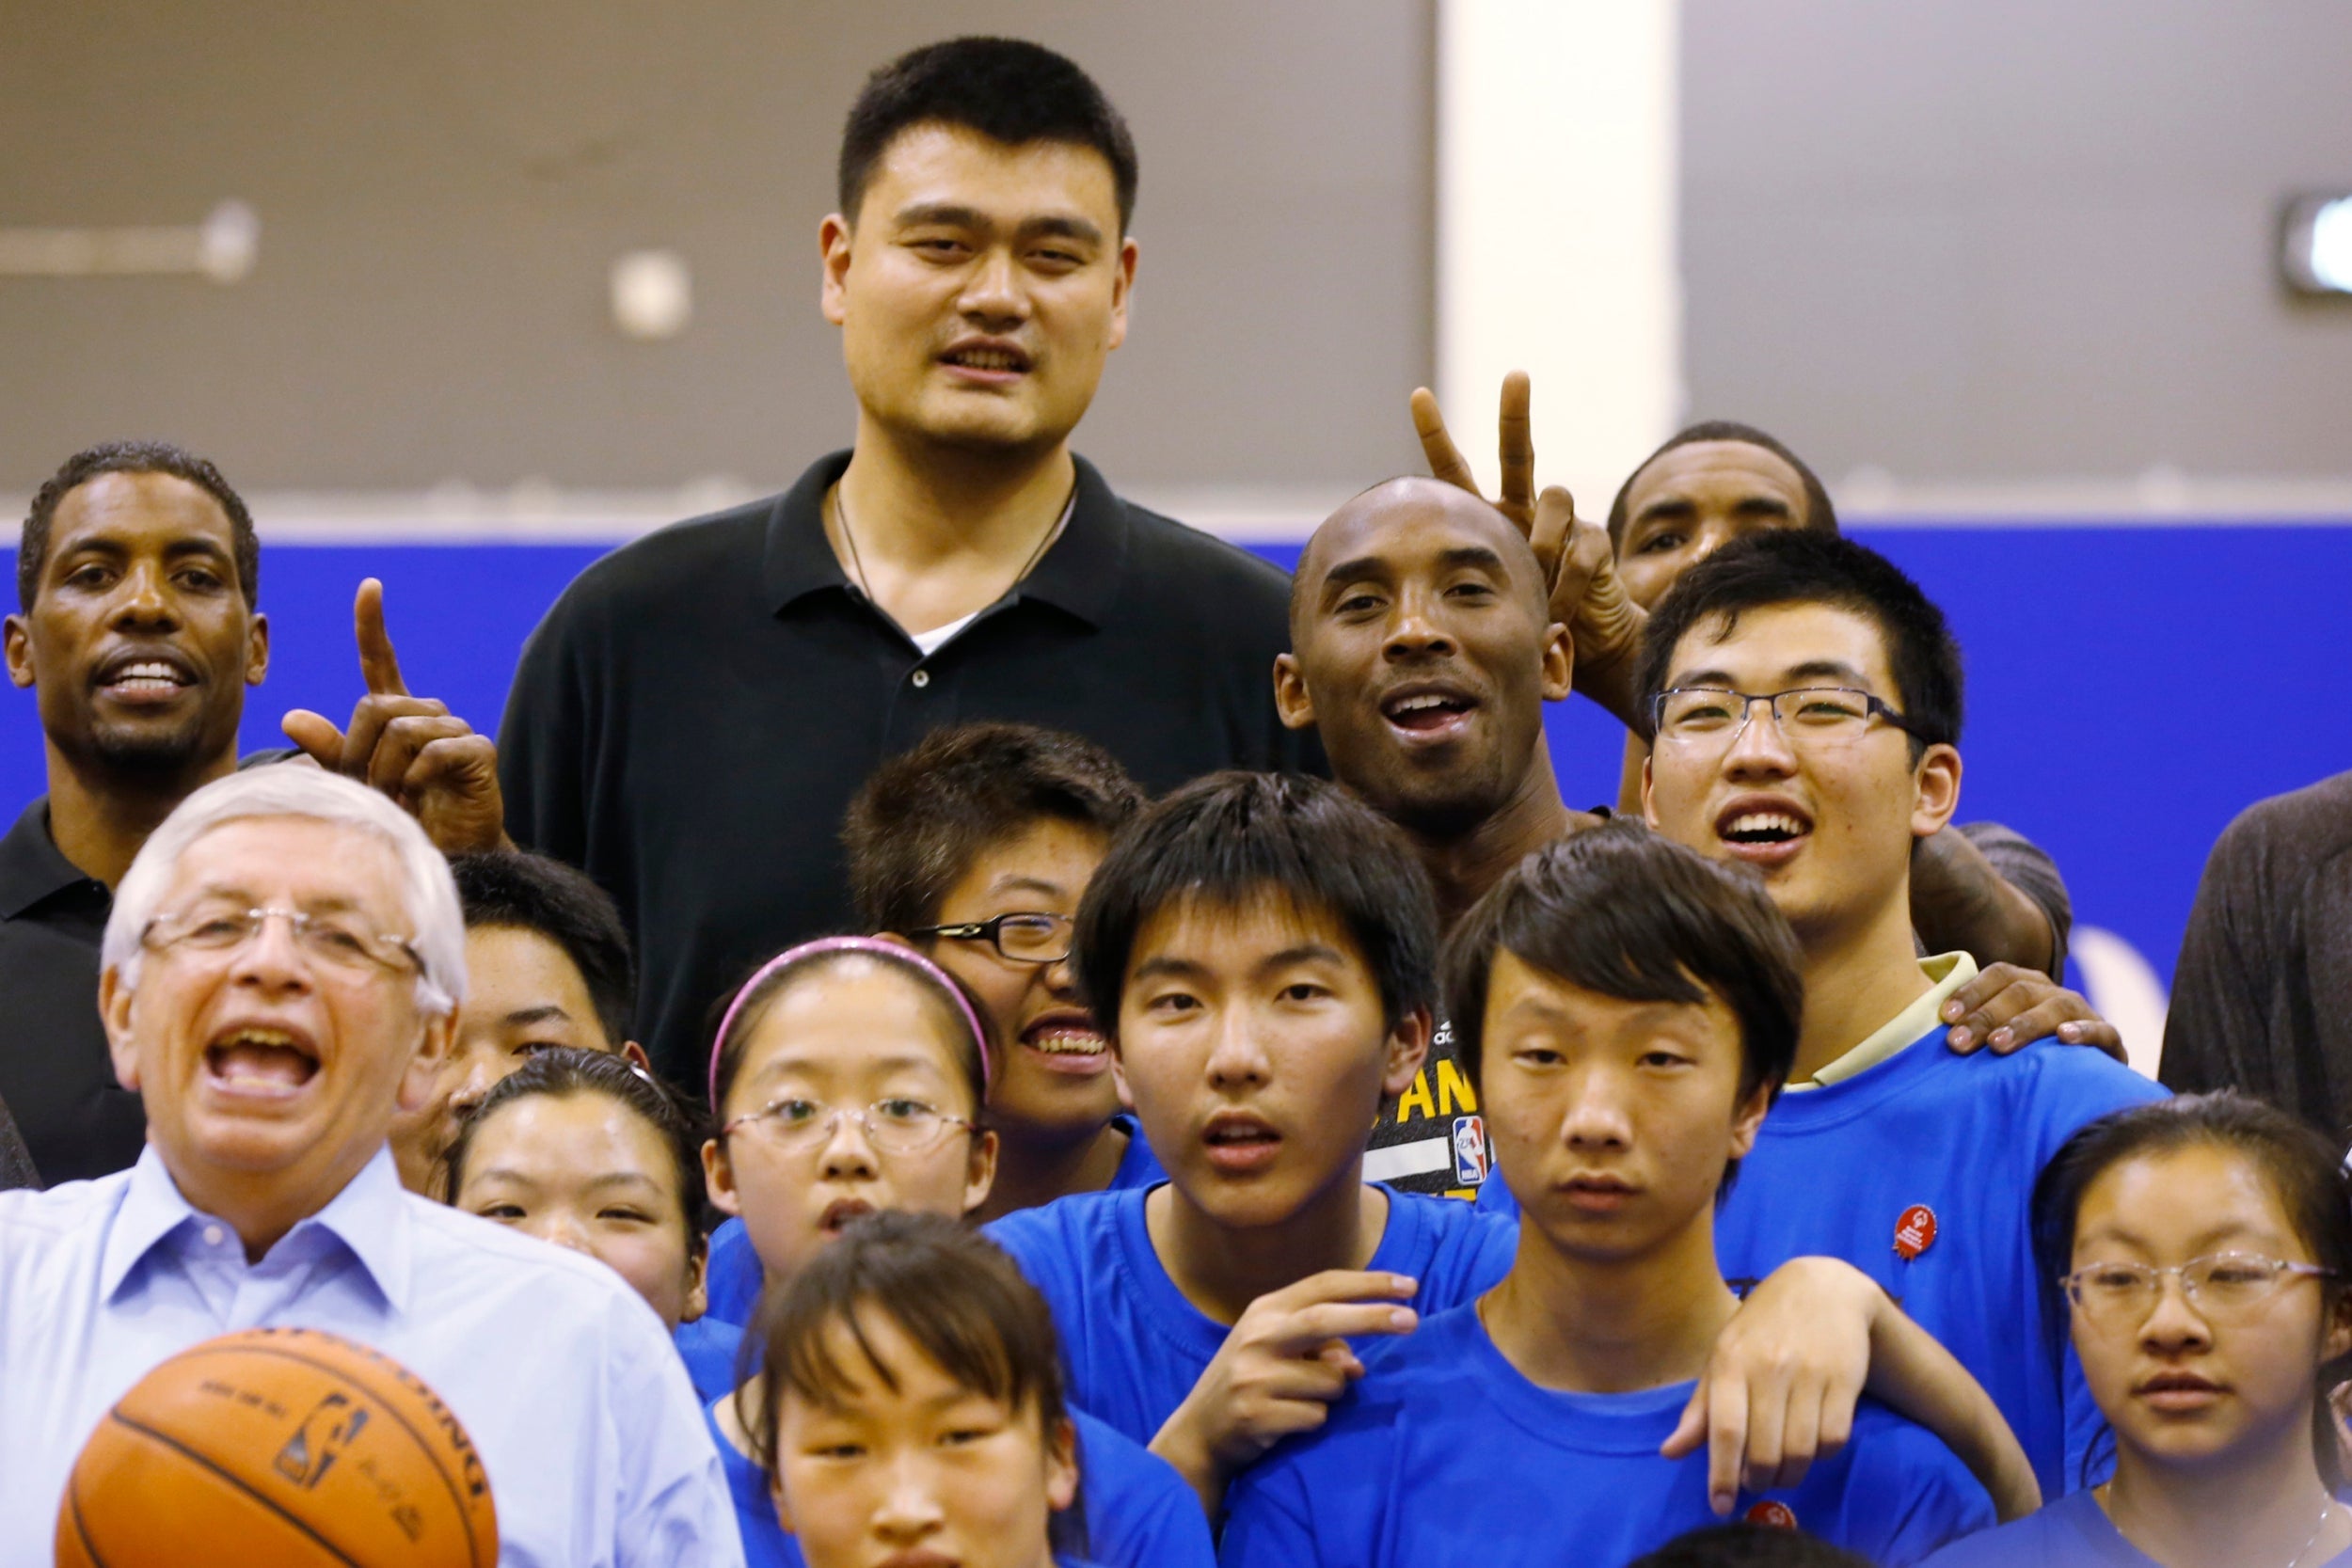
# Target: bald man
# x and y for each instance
(1422, 653)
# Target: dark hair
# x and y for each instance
(1620, 910)
(2301, 1166)
(562, 1071)
(1820, 516)
(133, 457)
(953, 1292)
(1785, 567)
(521, 891)
(926, 814)
(751, 998)
(1230, 839)
(1007, 89)
(1745, 1545)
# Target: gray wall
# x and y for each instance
(442, 184)
(1995, 240)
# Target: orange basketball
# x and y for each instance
(278, 1448)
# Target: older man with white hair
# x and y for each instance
(282, 969)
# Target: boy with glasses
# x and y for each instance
(1804, 702)
(976, 846)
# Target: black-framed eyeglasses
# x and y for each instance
(1024, 938)
(1714, 715)
(2220, 1285)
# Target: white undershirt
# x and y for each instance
(939, 636)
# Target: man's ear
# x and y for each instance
(1292, 703)
(1747, 1118)
(1408, 1048)
(981, 1174)
(19, 638)
(1559, 662)
(1122, 285)
(1936, 790)
(2337, 1340)
(416, 1079)
(719, 1179)
(257, 651)
(114, 1011)
(833, 241)
(1649, 810)
(1061, 1465)
(697, 1282)
(636, 1056)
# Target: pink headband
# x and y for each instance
(876, 947)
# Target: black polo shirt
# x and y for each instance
(56, 1076)
(689, 721)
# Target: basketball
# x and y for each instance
(278, 1448)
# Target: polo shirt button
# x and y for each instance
(921, 678)
(213, 1235)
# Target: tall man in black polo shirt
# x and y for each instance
(692, 719)
(137, 572)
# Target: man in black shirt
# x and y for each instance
(692, 719)
(137, 572)
(16, 1161)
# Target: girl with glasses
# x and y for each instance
(848, 1077)
(2203, 1246)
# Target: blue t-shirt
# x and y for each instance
(1139, 1513)
(1445, 1454)
(707, 1347)
(2071, 1532)
(733, 1278)
(1135, 1346)
(1845, 1171)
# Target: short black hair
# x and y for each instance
(1620, 910)
(1745, 1545)
(521, 891)
(2301, 1166)
(1820, 516)
(1786, 567)
(1229, 839)
(135, 457)
(563, 1071)
(1009, 91)
(952, 1291)
(925, 817)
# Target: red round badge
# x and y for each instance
(1914, 1232)
(1773, 1516)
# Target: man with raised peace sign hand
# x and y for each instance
(1978, 887)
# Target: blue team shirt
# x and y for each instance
(707, 1347)
(1837, 1171)
(1135, 1346)
(1412, 1466)
(1139, 1513)
(2071, 1532)
(733, 1277)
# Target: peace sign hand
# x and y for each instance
(1587, 596)
(412, 748)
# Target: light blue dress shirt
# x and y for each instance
(591, 1437)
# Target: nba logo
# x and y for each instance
(1469, 1151)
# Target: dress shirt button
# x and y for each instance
(213, 1235)
(921, 679)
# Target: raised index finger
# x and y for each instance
(378, 665)
(1446, 460)
(1516, 435)
(1336, 1285)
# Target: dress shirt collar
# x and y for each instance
(32, 867)
(368, 1218)
(1079, 573)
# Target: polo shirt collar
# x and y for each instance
(32, 867)
(1079, 575)
(368, 1218)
